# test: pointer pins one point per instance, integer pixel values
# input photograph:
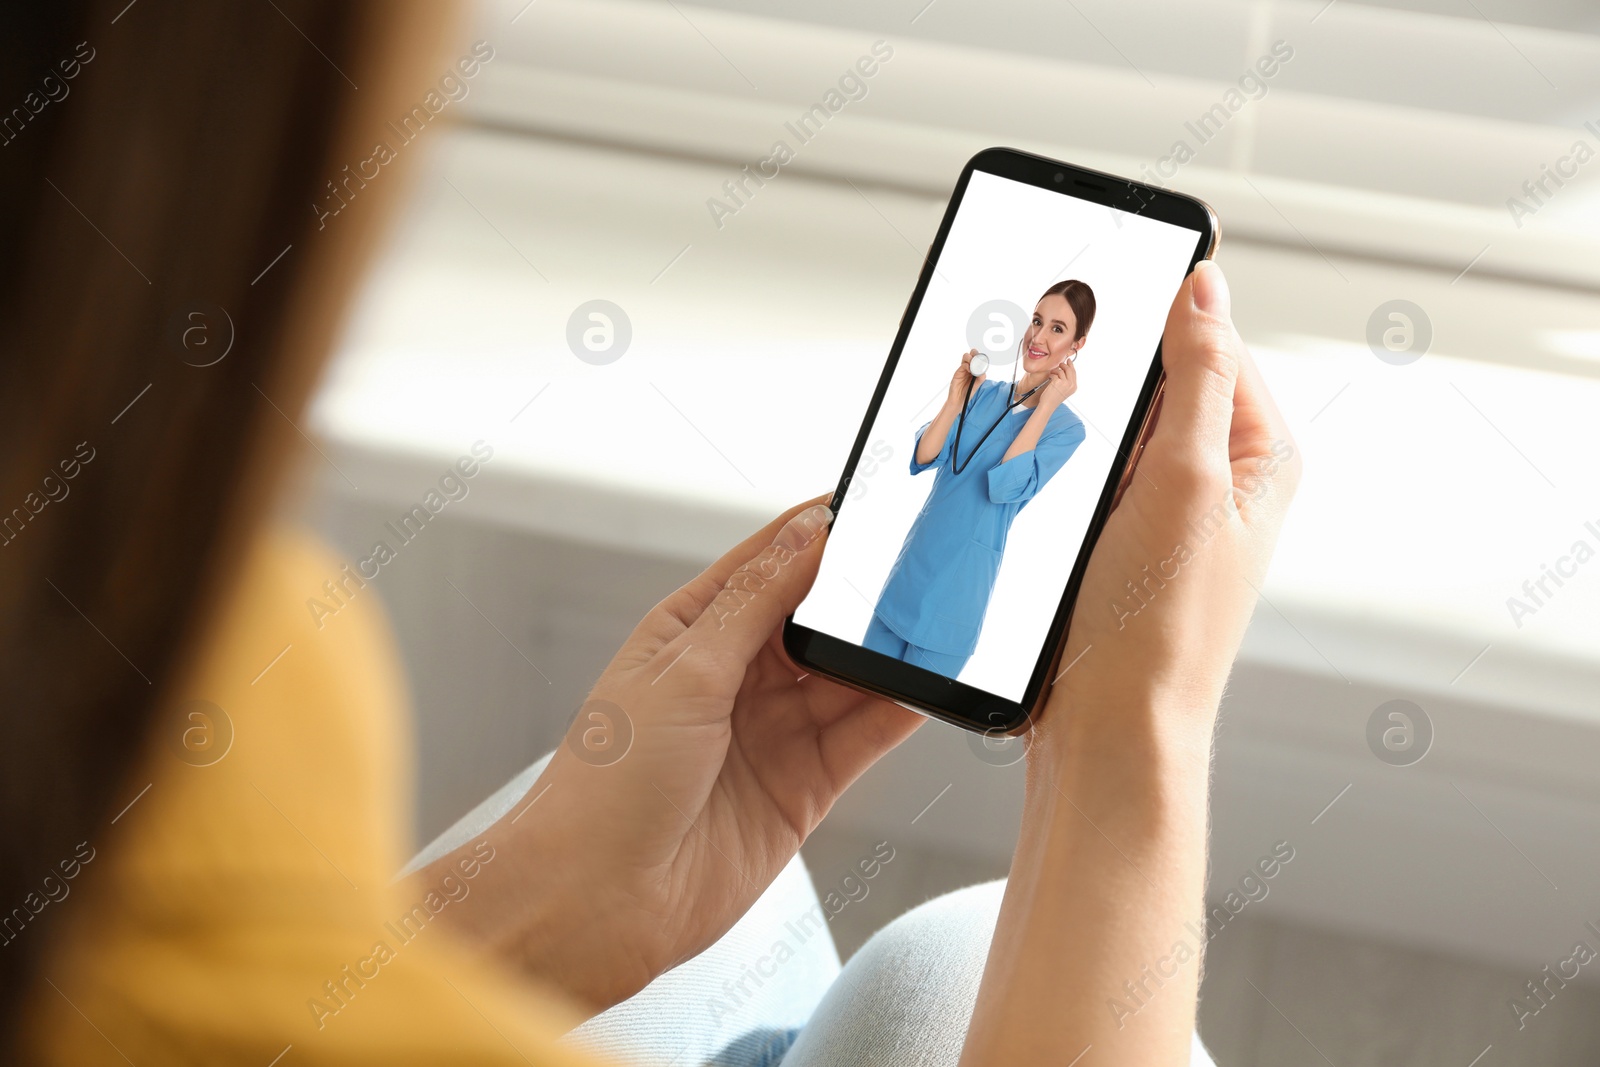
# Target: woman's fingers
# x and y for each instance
(1200, 351)
(1219, 429)
(1257, 422)
(757, 595)
(1262, 452)
(686, 604)
(859, 739)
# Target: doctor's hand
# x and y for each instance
(1062, 383)
(957, 394)
(700, 762)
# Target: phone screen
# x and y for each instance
(955, 557)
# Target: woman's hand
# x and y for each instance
(1193, 533)
(1061, 383)
(957, 394)
(1108, 880)
(701, 761)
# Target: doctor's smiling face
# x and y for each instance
(1052, 337)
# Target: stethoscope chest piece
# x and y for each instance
(977, 366)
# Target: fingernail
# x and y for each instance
(1211, 290)
(803, 529)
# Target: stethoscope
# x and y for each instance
(976, 368)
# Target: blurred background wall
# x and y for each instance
(1411, 226)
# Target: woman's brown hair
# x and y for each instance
(1080, 298)
(159, 163)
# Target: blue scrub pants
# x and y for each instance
(880, 638)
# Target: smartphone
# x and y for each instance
(1017, 396)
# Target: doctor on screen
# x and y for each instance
(995, 445)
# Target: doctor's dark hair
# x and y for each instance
(1080, 298)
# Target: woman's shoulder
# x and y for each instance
(1063, 420)
(257, 873)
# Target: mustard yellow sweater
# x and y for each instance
(242, 909)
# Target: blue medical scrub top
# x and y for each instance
(938, 590)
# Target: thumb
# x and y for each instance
(762, 591)
(1200, 354)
